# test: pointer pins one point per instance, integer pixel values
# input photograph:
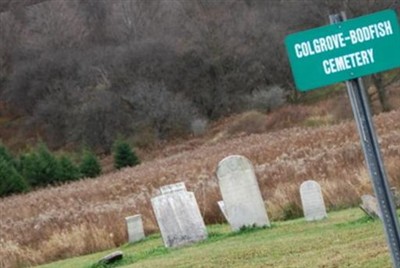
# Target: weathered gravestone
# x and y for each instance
(223, 210)
(176, 187)
(370, 206)
(244, 205)
(178, 217)
(396, 196)
(312, 201)
(135, 228)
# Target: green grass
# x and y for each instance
(346, 239)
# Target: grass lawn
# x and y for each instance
(346, 238)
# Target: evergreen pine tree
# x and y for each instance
(124, 155)
(90, 166)
(28, 166)
(5, 154)
(10, 180)
(68, 170)
(40, 168)
(48, 165)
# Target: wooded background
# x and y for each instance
(89, 71)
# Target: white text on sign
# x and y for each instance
(335, 41)
(346, 62)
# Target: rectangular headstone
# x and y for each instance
(179, 218)
(312, 201)
(242, 198)
(176, 187)
(135, 228)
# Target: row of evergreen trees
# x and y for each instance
(40, 167)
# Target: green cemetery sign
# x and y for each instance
(343, 51)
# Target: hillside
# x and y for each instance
(187, 83)
(88, 215)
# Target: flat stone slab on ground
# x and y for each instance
(112, 257)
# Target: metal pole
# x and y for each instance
(370, 145)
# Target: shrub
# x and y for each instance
(266, 98)
(48, 164)
(10, 180)
(5, 154)
(68, 170)
(249, 122)
(40, 168)
(124, 156)
(90, 166)
(164, 111)
(198, 126)
(27, 167)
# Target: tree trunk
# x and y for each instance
(377, 80)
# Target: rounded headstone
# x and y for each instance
(312, 201)
(244, 205)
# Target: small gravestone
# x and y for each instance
(135, 228)
(178, 217)
(312, 201)
(176, 187)
(112, 257)
(370, 206)
(244, 205)
(222, 208)
(396, 196)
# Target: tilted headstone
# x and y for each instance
(242, 198)
(312, 201)
(135, 228)
(176, 187)
(370, 206)
(396, 196)
(179, 218)
(223, 210)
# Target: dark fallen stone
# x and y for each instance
(112, 257)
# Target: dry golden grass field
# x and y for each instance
(304, 143)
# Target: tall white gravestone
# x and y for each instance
(135, 228)
(178, 216)
(312, 201)
(244, 205)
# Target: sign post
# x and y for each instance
(342, 60)
(370, 145)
